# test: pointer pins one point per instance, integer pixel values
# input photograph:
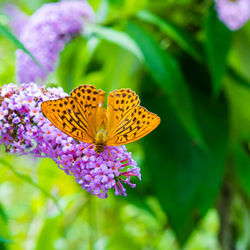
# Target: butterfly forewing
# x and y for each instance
(66, 115)
(128, 121)
(91, 103)
(120, 102)
(79, 115)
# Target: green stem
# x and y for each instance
(92, 221)
(224, 208)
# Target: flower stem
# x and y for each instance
(224, 208)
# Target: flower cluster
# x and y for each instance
(45, 35)
(24, 130)
(17, 18)
(233, 13)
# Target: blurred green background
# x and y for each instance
(193, 72)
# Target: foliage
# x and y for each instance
(192, 71)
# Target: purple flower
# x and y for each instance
(18, 19)
(24, 130)
(233, 13)
(45, 35)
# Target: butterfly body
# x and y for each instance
(100, 140)
(83, 117)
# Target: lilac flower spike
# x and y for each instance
(17, 18)
(24, 130)
(45, 35)
(233, 13)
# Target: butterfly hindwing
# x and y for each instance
(66, 115)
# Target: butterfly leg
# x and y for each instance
(110, 155)
(89, 146)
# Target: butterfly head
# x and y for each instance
(100, 140)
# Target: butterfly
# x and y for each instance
(83, 117)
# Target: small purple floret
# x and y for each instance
(233, 13)
(24, 130)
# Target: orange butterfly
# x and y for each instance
(83, 117)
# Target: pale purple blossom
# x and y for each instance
(17, 18)
(45, 35)
(233, 13)
(24, 130)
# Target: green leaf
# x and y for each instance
(217, 45)
(48, 234)
(185, 178)
(181, 37)
(241, 167)
(118, 75)
(166, 72)
(241, 45)
(73, 61)
(3, 214)
(6, 33)
(102, 12)
(185, 41)
(238, 78)
(30, 181)
(238, 97)
(4, 229)
(4, 240)
(119, 38)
